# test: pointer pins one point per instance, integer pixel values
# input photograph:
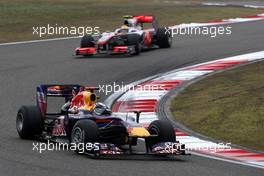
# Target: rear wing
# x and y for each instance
(144, 19)
(141, 19)
(51, 90)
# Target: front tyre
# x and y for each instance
(84, 131)
(164, 131)
(134, 40)
(29, 122)
(87, 41)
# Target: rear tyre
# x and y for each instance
(164, 39)
(134, 40)
(29, 122)
(83, 132)
(164, 131)
(87, 41)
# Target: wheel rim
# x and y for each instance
(154, 131)
(19, 122)
(77, 135)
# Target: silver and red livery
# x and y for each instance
(131, 38)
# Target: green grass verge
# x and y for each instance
(228, 106)
(17, 18)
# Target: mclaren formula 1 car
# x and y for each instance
(131, 38)
(85, 121)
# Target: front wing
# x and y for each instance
(160, 149)
(98, 50)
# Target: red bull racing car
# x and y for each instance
(131, 38)
(82, 120)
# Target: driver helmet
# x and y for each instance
(102, 109)
(89, 100)
(132, 22)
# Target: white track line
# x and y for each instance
(37, 41)
(227, 160)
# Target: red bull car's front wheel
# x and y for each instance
(164, 131)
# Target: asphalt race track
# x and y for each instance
(24, 66)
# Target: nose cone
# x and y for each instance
(139, 132)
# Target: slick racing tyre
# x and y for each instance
(134, 40)
(87, 41)
(29, 122)
(83, 132)
(164, 131)
(164, 39)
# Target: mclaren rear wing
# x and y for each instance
(141, 19)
